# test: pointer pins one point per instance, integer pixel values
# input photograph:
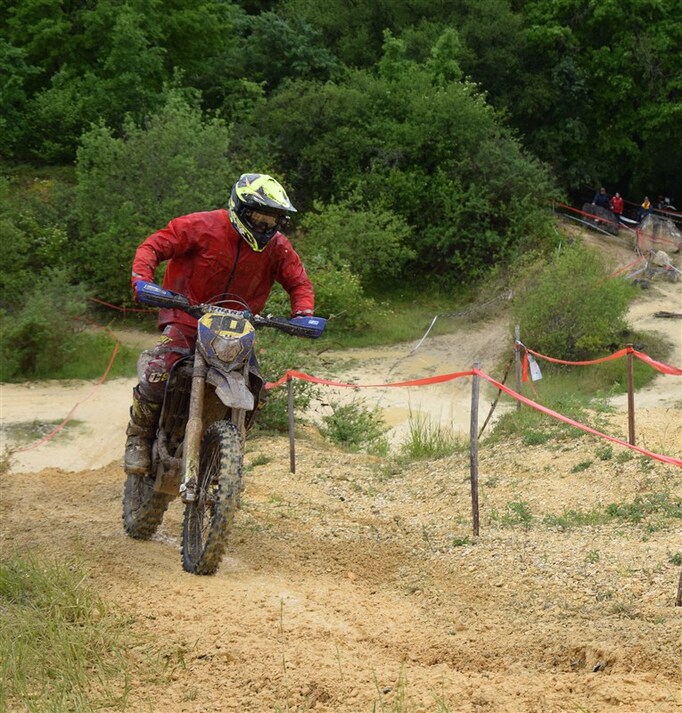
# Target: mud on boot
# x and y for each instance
(138, 455)
(144, 416)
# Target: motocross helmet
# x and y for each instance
(259, 207)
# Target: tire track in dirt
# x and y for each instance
(355, 585)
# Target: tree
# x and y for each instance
(432, 152)
(104, 60)
(598, 88)
(129, 186)
(372, 241)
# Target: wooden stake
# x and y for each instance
(290, 409)
(631, 397)
(473, 441)
(517, 351)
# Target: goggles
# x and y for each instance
(263, 221)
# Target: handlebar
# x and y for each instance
(151, 294)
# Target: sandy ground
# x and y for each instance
(356, 584)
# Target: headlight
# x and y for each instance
(227, 349)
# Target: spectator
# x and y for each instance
(617, 206)
(645, 208)
(601, 198)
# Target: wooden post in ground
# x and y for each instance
(517, 351)
(473, 443)
(290, 410)
(631, 396)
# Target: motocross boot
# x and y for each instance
(144, 417)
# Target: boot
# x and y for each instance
(144, 417)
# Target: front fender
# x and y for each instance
(231, 388)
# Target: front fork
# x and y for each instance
(193, 430)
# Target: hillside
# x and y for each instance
(356, 584)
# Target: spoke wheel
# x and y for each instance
(209, 517)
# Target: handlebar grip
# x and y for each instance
(310, 327)
(149, 293)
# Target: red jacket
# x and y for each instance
(617, 205)
(208, 258)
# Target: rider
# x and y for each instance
(239, 251)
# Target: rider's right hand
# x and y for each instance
(137, 284)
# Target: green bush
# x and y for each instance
(133, 185)
(433, 154)
(339, 296)
(356, 427)
(38, 340)
(277, 353)
(569, 308)
(34, 234)
(372, 242)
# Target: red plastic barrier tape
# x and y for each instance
(664, 459)
(653, 238)
(663, 368)
(69, 416)
(588, 215)
(621, 270)
(121, 309)
(659, 366)
(611, 357)
(415, 382)
(455, 375)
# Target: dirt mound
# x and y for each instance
(350, 586)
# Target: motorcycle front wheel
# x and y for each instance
(209, 516)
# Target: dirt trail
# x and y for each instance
(356, 586)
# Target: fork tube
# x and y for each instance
(238, 417)
(194, 427)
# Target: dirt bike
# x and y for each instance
(211, 397)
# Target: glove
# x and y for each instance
(302, 313)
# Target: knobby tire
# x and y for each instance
(143, 509)
(209, 517)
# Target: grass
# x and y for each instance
(408, 316)
(355, 427)
(63, 648)
(427, 440)
(89, 354)
(26, 432)
(92, 352)
(654, 511)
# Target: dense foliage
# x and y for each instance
(422, 141)
(569, 307)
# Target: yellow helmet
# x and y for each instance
(259, 207)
